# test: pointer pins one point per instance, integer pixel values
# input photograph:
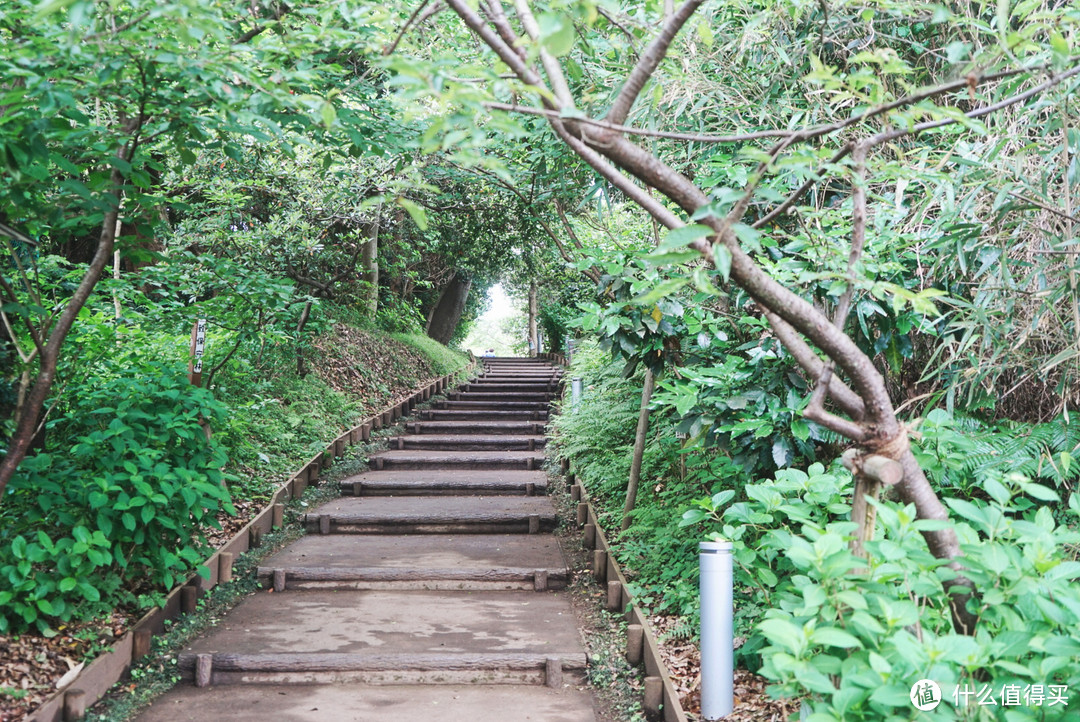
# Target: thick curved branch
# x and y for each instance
(649, 61)
(841, 394)
(551, 65)
(506, 53)
(614, 176)
(502, 26)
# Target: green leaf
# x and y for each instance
(89, 592)
(997, 491)
(328, 115)
(683, 236)
(665, 288)
(416, 212)
(968, 510)
(1040, 492)
(672, 258)
(782, 633)
(701, 281)
(557, 33)
(51, 6)
(693, 516)
(722, 498)
(723, 260)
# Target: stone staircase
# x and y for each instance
(430, 589)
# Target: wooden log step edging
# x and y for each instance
(539, 580)
(113, 665)
(468, 442)
(449, 487)
(661, 700)
(381, 668)
(480, 460)
(446, 524)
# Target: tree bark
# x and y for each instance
(301, 367)
(26, 429)
(446, 315)
(370, 261)
(534, 346)
(639, 449)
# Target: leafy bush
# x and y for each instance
(117, 517)
(852, 636)
(598, 434)
(960, 453)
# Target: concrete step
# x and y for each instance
(483, 414)
(452, 562)
(391, 637)
(468, 442)
(434, 482)
(500, 396)
(500, 387)
(385, 668)
(459, 460)
(494, 405)
(359, 703)
(476, 427)
(433, 515)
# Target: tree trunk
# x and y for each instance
(370, 261)
(534, 346)
(26, 430)
(639, 449)
(446, 315)
(301, 367)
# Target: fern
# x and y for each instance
(683, 630)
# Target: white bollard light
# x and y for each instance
(717, 630)
(575, 391)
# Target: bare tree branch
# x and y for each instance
(389, 49)
(841, 394)
(505, 52)
(890, 135)
(551, 65)
(502, 26)
(279, 12)
(799, 192)
(637, 194)
(1050, 209)
(693, 137)
(629, 35)
(649, 61)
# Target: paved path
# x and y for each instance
(431, 590)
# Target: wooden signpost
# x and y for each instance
(198, 346)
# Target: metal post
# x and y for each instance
(717, 644)
(575, 391)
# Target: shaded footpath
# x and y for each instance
(432, 589)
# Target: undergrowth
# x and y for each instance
(809, 615)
